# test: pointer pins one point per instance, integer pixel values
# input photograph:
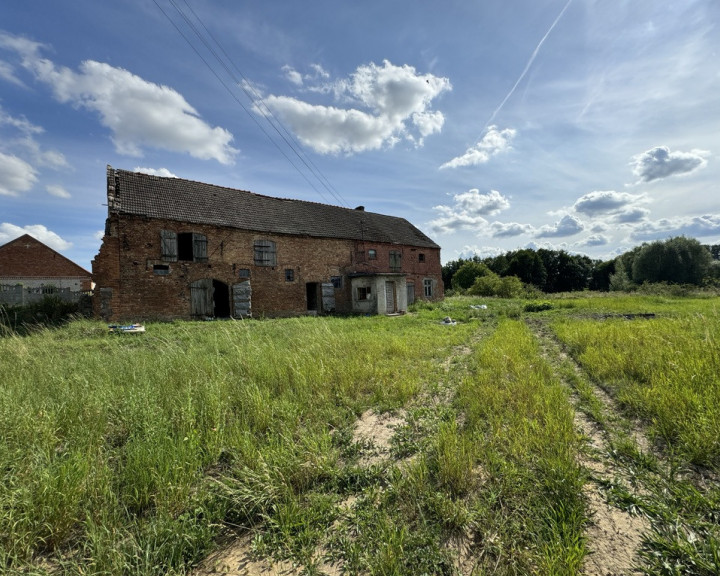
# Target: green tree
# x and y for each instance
(528, 266)
(466, 274)
(678, 260)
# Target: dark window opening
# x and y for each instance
(161, 269)
(289, 275)
(364, 292)
(372, 254)
(336, 281)
(192, 247)
(421, 257)
(185, 246)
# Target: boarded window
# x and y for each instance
(244, 273)
(265, 253)
(372, 254)
(168, 245)
(395, 261)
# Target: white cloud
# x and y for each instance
(493, 142)
(27, 140)
(164, 172)
(468, 210)
(16, 175)
(509, 229)
(594, 240)
(58, 191)
(385, 104)
(694, 227)
(293, 75)
(567, 226)
(660, 162)
(605, 202)
(9, 232)
(138, 113)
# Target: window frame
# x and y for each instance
(428, 287)
(363, 293)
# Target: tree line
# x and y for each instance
(678, 260)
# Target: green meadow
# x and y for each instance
(143, 453)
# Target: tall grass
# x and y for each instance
(530, 510)
(114, 448)
(663, 370)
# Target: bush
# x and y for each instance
(50, 311)
(538, 306)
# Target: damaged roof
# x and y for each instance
(195, 202)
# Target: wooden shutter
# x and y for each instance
(168, 245)
(199, 247)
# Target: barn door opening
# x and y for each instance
(209, 299)
(221, 299)
(311, 290)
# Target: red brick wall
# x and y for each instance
(26, 257)
(126, 259)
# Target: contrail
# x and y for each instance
(527, 66)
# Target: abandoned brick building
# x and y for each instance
(177, 249)
(30, 269)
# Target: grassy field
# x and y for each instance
(140, 454)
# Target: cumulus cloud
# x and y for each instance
(604, 202)
(631, 216)
(164, 172)
(509, 229)
(694, 227)
(16, 175)
(9, 232)
(377, 106)
(594, 240)
(493, 142)
(567, 226)
(137, 112)
(468, 210)
(58, 191)
(660, 162)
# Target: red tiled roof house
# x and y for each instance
(29, 263)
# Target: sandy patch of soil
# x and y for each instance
(376, 431)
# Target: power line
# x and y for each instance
(255, 99)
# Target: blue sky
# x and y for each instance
(585, 125)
